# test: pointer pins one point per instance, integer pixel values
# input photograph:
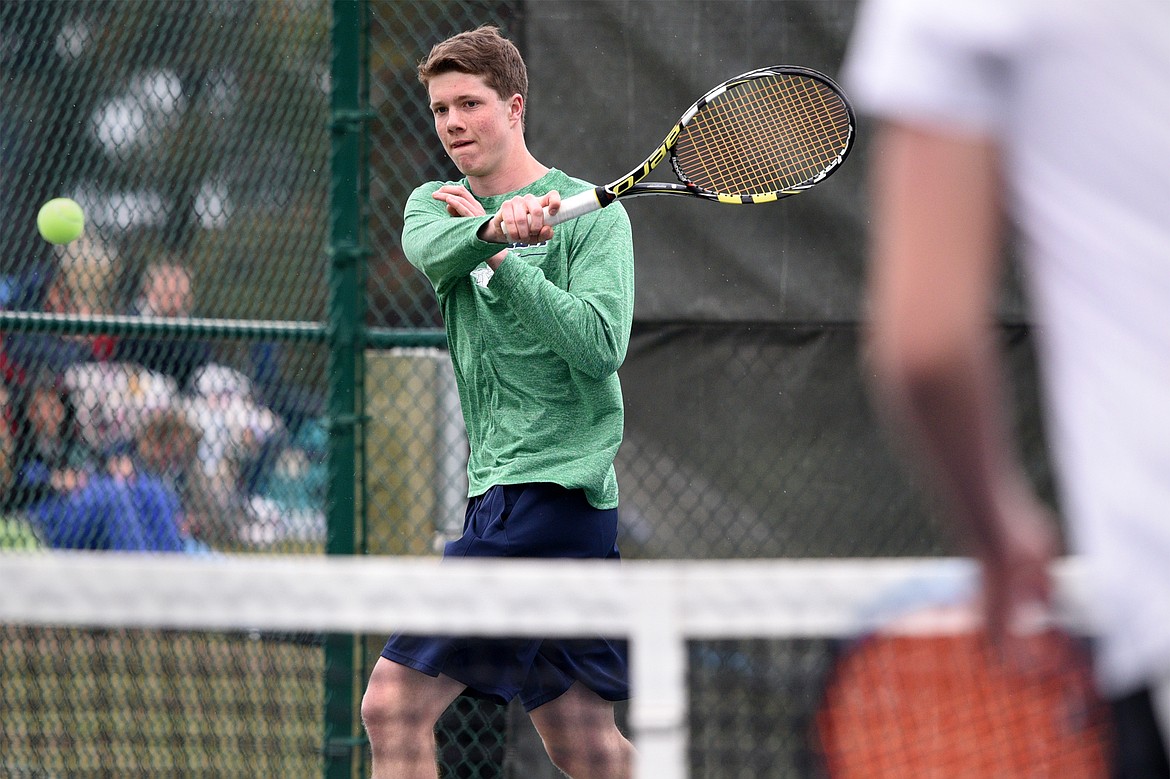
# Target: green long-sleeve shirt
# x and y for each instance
(536, 345)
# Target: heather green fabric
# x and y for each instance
(536, 346)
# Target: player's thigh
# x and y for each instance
(578, 711)
(397, 692)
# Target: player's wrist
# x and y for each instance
(491, 231)
(497, 259)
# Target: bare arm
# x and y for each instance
(932, 349)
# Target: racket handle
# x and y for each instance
(577, 205)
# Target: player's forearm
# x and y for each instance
(931, 341)
(444, 249)
(949, 412)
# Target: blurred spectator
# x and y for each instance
(70, 497)
(113, 398)
(234, 425)
(166, 290)
(15, 532)
(88, 268)
(240, 437)
(288, 501)
(168, 450)
(81, 283)
(7, 447)
(49, 452)
(10, 373)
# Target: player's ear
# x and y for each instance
(516, 108)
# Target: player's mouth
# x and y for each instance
(462, 143)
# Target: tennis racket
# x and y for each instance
(761, 136)
(924, 694)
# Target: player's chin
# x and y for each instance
(463, 158)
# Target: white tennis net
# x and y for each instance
(665, 608)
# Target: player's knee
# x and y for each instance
(384, 706)
(564, 755)
(375, 709)
(583, 754)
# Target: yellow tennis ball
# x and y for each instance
(61, 220)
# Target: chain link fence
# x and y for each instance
(166, 378)
(194, 134)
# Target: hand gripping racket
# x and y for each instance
(761, 136)
(922, 693)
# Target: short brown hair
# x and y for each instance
(480, 52)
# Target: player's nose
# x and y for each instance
(454, 120)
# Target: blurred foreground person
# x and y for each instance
(1052, 116)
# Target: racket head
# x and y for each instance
(911, 699)
(763, 135)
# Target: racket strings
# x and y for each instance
(796, 132)
(770, 134)
(942, 706)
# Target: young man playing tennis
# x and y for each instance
(537, 325)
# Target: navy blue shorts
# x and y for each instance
(526, 520)
(1139, 751)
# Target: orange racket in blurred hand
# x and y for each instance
(926, 695)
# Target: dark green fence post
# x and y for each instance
(347, 250)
